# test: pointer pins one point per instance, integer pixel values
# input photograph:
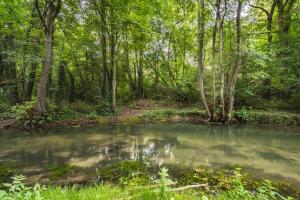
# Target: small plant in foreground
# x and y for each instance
(164, 183)
(17, 190)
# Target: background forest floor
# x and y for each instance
(143, 111)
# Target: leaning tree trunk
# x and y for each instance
(201, 27)
(235, 72)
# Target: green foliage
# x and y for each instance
(5, 172)
(82, 107)
(165, 115)
(59, 171)
(267, 117)
(160, 189)
(103, 109)
(93, 115)
(124, 173)
(17, 190)
(3, 107)
(164, 181)
(26, 115)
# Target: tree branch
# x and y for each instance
(261, 8)
(40, 14)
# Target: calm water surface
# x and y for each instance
(271, 152)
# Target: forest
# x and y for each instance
(219, 55)
(83, 63)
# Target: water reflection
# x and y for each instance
(264, 150)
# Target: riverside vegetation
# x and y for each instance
(133, 180)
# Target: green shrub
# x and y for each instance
(82, 107)
(124, 173)
(3, 107)
(26, 115)
(92, 116)
(103, 109)
(61, 113)
(163, 115)
(267, 117)
(58, 171)
(17, 190)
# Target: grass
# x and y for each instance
(223, 185)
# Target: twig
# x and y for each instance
(188, 187)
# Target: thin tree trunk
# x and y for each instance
(140, 77)
(1, 55)
(104, 53)
(72, 86)
(127, 63)
(13, 94)
(237, 64)
(113, 61)
(221, 26)
(32, 70)
(60, 94)
(214, 34)
(201, 29)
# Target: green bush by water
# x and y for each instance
(267, 117)
(162, 188)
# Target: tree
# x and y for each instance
(222, 82)
(201, 29)
(47, 18)
(269, 14)
(234, 76)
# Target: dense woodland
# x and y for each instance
(218, 54)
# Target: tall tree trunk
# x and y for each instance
(32, 70)
(104, 84)
(113, 61)
(214, 34)
(47, 19)
(235, 72)
(1, 56)
(201, 29)
(13, 94)
(221, 27)
(72, 86)
(127, 63)
(140, 76)
(42, 87)
(61, 75)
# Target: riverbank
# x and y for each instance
(134, 180)
(125, 115)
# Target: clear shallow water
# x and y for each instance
(272, 152)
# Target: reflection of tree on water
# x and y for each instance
(185, 145)
(157, 150)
